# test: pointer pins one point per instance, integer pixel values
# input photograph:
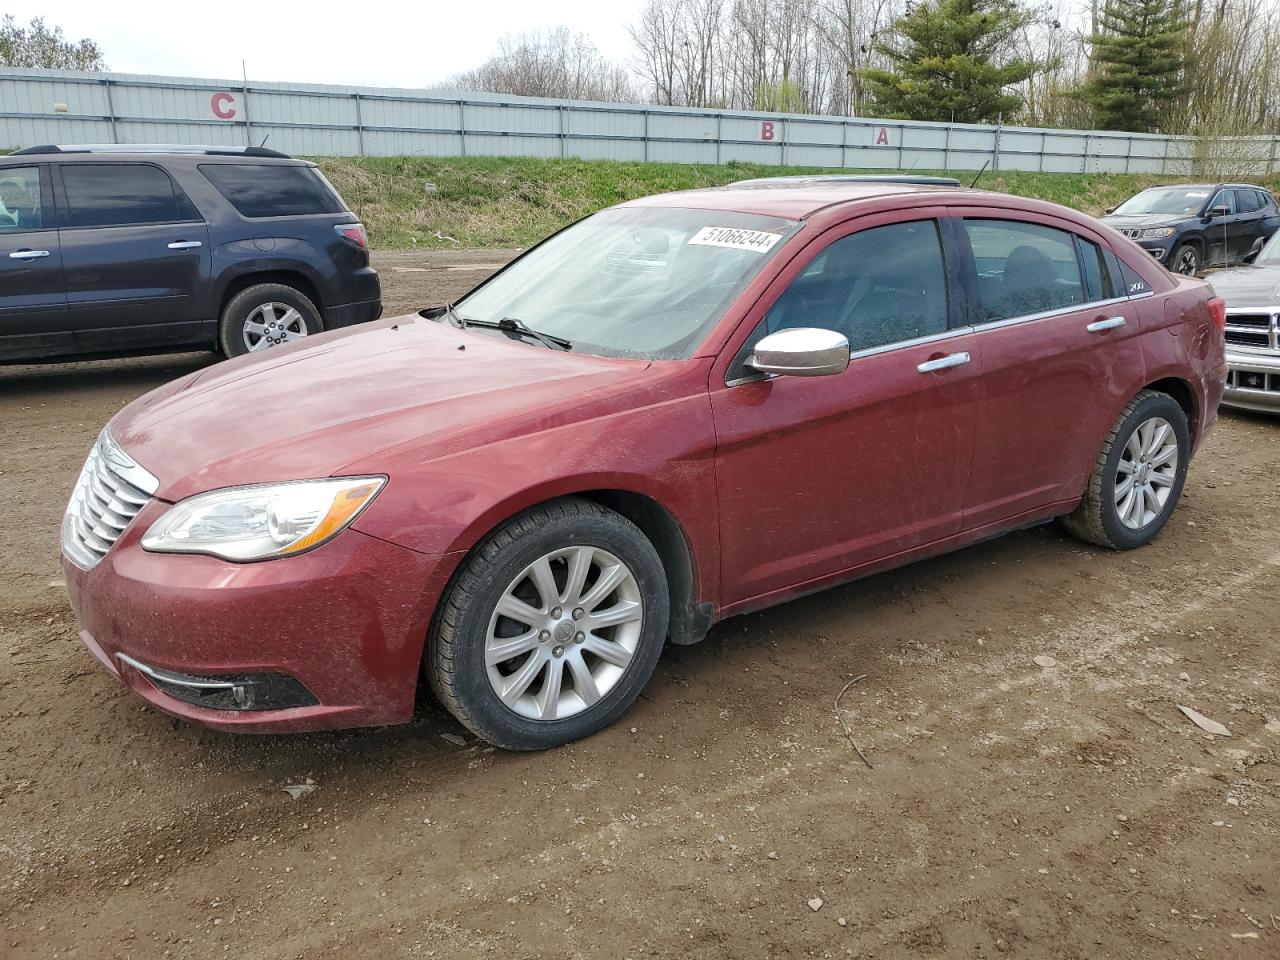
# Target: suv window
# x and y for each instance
(20, 207)
(1246, 200)
(272, 190)
(1024, 268)
(1264, 198)
(1224, 198)
(879, 286)
(122, 194)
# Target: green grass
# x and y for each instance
(513, 202)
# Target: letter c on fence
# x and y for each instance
(766, 129)
(223, 106)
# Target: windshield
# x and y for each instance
(638, 282)
(1176, 201)
(1270, 253)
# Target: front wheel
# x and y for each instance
(551, 627)
(1185, 260)
(1138, 477)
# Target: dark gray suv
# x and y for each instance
(116, 250)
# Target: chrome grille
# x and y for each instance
(1259, 329)
(111, 490)
(1131, 233)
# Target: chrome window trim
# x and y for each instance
(1061, 311)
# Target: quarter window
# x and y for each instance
(122, 194)
(20, 207)
(259, 190)
(1024, 268)
(879, 286)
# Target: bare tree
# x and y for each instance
(553, 64)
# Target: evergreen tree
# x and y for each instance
(952, 60)
(1140, 61)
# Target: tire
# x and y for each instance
(1107, 516)
(1185, 259)
(262, 304)
(540, 712)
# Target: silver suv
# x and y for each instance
(1252, 294)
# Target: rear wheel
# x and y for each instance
(266, 315)
(551, 628)
(1185, 260)
(1138, 477)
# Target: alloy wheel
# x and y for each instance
(271, 324)
(1188, 262)
(1146, 473)
(563, 633)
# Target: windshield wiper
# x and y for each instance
(512, 325)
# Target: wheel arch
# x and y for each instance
(289, 278)
(690, 618)
(1181, 391)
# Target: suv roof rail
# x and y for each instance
(211, 150)
(848, 178)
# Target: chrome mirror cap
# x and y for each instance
(801, 352)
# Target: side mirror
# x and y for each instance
(1219, 211)
(1256, 249)
(801, 352)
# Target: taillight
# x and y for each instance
(1218, 310)
(353, 232)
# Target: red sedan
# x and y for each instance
(680, 409)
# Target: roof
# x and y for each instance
(794, 200)
(1217, 185)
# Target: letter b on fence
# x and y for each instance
(766, 129)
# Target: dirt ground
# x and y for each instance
(1014, 809)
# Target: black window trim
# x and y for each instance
(64, 205)
(47, 202)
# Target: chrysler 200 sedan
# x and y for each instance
(682, 408)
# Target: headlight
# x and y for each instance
(1156, 233)
(263, 521)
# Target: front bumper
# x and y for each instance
(1161, 250)
(1253, 382)
(346, 621)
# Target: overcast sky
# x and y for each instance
(375, 44)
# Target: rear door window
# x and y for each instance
(259, 190)
(122, 194)
(21, 206)
(1024, 268)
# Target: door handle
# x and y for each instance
(185, 244)
(28, 254)
(1109, 324)
(943, 363)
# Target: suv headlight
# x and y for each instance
(263, 521)
(1157, 233)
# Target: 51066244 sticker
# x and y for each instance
(735, 238)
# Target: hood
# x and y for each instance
(1248, 286)
(1144, 220)
(306, 411)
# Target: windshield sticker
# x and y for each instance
(757, 241)
(1195, 193)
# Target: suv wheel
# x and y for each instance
(551, 627)
(1138, 477)
(265, 315)
(1185, 260)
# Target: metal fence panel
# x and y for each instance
(59, 106)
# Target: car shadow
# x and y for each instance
(130, 373)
